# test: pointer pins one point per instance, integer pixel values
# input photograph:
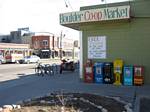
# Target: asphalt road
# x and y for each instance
(13, 71)
(19, 82)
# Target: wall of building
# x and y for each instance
(67, 43)
(5, 38)
(15, 37)
(67, 47)
(8, 48)
(37, 42)
(26, 40)
(128, 41)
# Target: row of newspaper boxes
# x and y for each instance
(113, 73)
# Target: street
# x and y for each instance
(13, 71)
(18, 82)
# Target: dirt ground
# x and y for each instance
(72, 102)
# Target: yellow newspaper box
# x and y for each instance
(118, 67)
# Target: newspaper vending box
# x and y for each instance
(118, 65)
(128, 75)
(88, 72)
(98, 72)
(138, 75)
(108, 73)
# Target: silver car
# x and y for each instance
(30, 59)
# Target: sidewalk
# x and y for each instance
(142, 98)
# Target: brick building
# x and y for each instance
(42, 45)
(49, 46)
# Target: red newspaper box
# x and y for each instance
(88, 72)
(138, 75)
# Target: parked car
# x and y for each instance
(2, 59)
(30, 59)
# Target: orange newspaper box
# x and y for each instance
(88, 72)
(138, 75)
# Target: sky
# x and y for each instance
(40, 15)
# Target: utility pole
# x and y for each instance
(61, 45)
(61, 36)
(53, 45)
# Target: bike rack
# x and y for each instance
(47, 69)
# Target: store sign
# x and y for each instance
(110, 13)
(25, 29)
(97, 47)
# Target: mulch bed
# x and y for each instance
(73, 102)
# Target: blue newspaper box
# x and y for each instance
(98, 72)
(108, 73)
(128, 75)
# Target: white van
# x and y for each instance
(13, 58)
(2, 59)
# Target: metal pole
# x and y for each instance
(61, 45)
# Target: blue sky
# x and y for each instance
(40, 15)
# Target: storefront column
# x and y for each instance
(81, 56)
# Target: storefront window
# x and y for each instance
(45, 42)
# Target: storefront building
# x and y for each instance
(11, 48)
(67, 48)
(41, 45)
(47, 46)
(119, 30)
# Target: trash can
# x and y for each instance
(128, 75)
(108, 73)
(118, 66)
(98, 72)
(138, 75)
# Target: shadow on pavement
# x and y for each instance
(32, 85)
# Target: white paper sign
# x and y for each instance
(97, 47)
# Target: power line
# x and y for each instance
(67, 3)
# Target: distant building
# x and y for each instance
(45, 44)
(49, 46)
(8, 48)
(42, 45)
(19, 37)
(26, 39)
(76, 50)
(5, 38)
(15, 37)
(67, 47)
